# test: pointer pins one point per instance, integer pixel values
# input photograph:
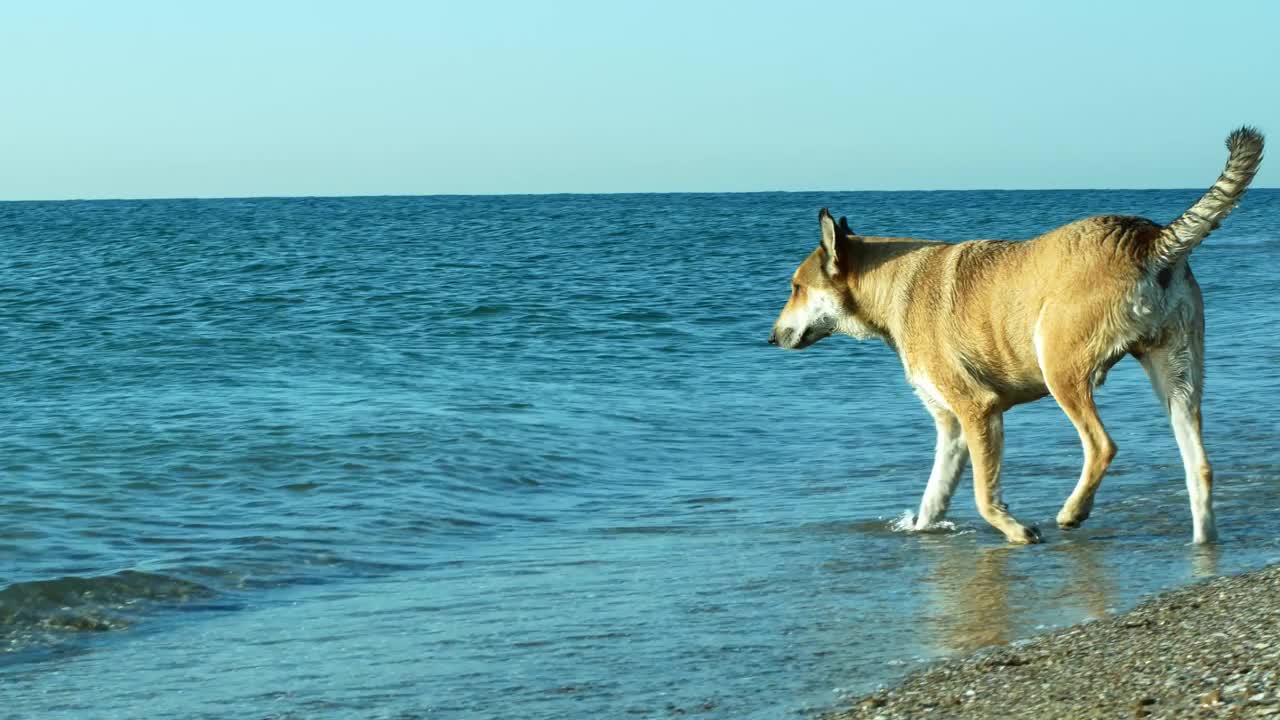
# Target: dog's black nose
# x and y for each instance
(773, 338)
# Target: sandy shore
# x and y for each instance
(1211, 650)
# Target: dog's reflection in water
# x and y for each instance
(979, 597)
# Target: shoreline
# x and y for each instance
(1207, 650)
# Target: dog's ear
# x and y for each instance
(835, 241)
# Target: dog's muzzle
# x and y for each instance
(786, 338)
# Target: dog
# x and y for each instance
(983, 325)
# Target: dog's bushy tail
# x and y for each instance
(1182, 235)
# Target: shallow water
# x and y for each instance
(482, 456)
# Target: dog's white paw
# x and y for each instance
(1068, 522)
(1025, 536)
(1070, 518)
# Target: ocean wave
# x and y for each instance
(86, 604)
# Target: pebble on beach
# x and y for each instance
(1211, 650)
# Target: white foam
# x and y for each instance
(906, 522)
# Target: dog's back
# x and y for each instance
(982, 309)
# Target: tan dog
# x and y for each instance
(984, 325)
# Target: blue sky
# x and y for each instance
(167, 99)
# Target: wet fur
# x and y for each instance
(984, 325)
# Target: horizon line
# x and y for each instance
(580, 194)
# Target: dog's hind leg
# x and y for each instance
(984, 432)
(1177, 374)
(1062, 341)
(949, 459)
(1074, 393)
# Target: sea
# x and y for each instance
(532, 456)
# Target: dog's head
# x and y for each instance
(821, 303)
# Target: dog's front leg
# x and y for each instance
(949, 460)
(984, 431)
